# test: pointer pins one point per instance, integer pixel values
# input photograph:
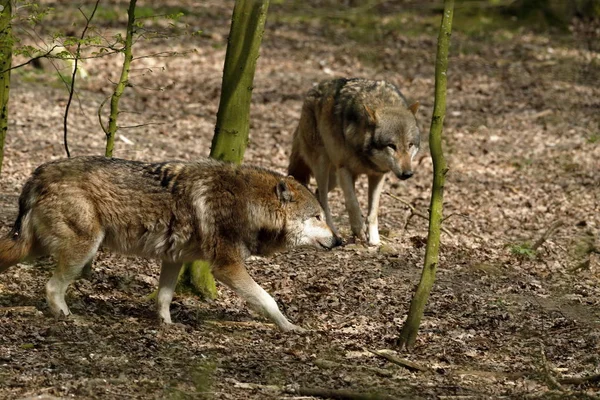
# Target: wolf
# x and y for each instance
(351, 127)
(173, 211)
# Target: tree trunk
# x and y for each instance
(123, 81)
(6, 44)
(417, 306)
(233, 118)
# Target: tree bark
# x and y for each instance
(233, 118)
(6, 44)
(409, 331)
(123, 81)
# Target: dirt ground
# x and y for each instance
(521, 137)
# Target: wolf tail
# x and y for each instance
(298, 168)
(17, 245)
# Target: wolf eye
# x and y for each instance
(411, 145)
(392, 146)
(318, 217)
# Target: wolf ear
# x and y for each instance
(414, 107)
(283, 192)
(372, 115)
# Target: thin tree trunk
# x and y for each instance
(417, 306)
(233, 118)
(123, 81)
(6, 44)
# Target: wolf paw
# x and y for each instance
(373, 236)
(360, 233)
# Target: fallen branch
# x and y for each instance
(336, 394)
(411, 366)
(414, 212)
(327, 364)
(549, 379)
(547, 234)
(574, 380)
(241, 324)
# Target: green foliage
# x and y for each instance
(594, 138)
(522, 250)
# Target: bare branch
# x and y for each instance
(46, 54)
(74, 75)
(414, 212)
(411, 366)
(141, 125)
(547, 234)
(100, 115)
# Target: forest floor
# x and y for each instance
(504, 320)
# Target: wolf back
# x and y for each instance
(172, 211)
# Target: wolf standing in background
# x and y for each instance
(350, 127)
(176, 212)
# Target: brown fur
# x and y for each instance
(351, 127)
(174, 211)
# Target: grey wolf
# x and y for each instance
(173, 211)
(351, 127)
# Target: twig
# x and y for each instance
(547, 234)
(339, 394)
(73, 77)
(414, 212)
(313, 392)
(574, 380)
(327, 364)
(100, 115)
(411, 366)
(141, 125)
(456, 214)
(550, 380)
(46, 54)
(241, 324)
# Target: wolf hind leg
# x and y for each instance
(70, 263)
(169, 275)
(235, 276)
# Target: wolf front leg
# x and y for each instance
(235, 275)
(323, 176)
(375, 189)
(346, 181)
(166, 287)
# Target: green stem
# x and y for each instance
(417, 306)
(123, 82)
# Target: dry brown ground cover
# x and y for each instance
(521, 137)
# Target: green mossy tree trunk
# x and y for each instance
(233, 118)
(409, 331)
(123, 81)
(6, 44)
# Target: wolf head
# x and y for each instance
(395, 140)
(304, 217)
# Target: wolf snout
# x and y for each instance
(404, 175)
(331, 242)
